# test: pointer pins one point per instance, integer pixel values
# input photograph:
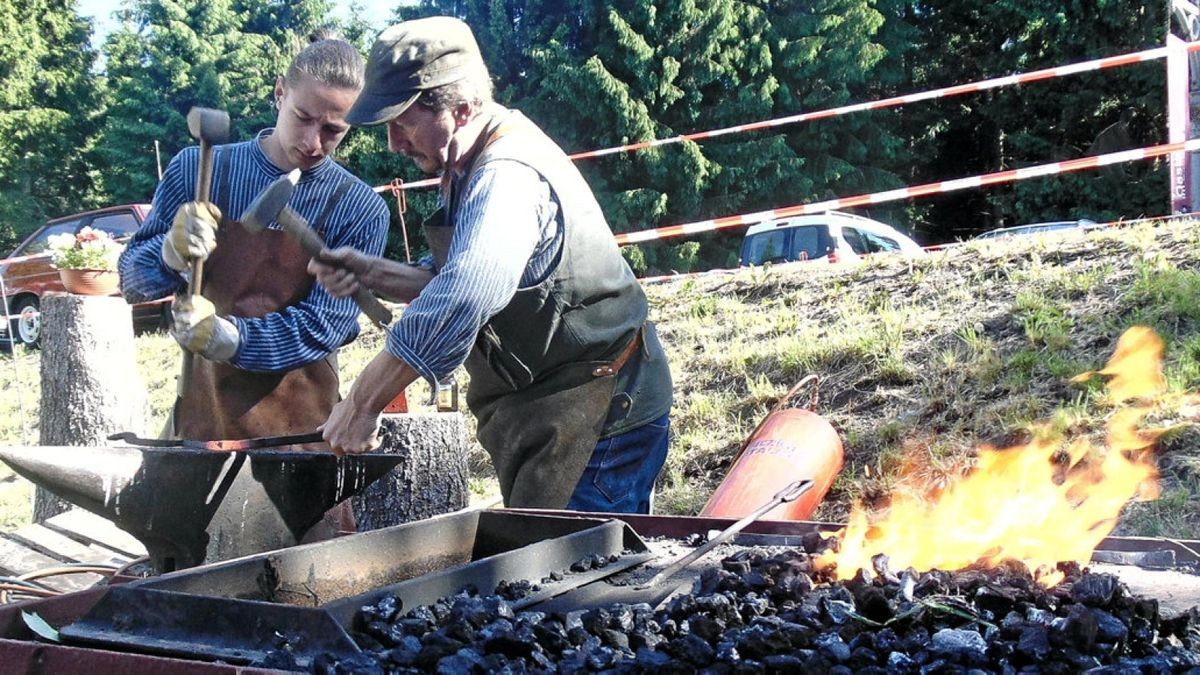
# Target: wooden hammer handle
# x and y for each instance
(295, 225)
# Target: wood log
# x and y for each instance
(433, 478)
(90, 385)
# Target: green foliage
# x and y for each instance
(171, 55)
(48, 111)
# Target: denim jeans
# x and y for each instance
(619, 477)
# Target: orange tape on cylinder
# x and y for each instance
(789, 445)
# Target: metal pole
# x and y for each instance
(157, 159)
(1183, 103)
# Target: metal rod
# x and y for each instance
(787, 494)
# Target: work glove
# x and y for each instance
(193, 235)
(198, 329)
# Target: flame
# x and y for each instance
(1046, 502)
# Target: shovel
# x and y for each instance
(602, 594)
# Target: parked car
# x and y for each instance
(827, 237)
(1039, 228)
(27, 273)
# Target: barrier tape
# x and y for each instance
(944, 92)
(939, 187)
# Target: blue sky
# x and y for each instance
(376, 12)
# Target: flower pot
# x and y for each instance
(90, 282)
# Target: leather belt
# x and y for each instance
(617, 363)
(220, 446)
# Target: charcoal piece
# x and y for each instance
(1180, 658)
(652, 660)
(324, 664)
(670, 629)
(552, 636)
(1081, 627)
(840, 670)
(756, 581)
(1034, 643)
(494, 629)
(1108, 627)
(706, 627)
(961, 643)
(441, 608)
(1012, 625)
(434, 647)
(739, 567)
(515, 590)
(622, 618)
(831, 645)
(783, 663)
(539, 659)
(384, 610)
(874, 604)
(718, 607)
(404, 654)
(710, 580)
(885, 640)
(615, 639)
(461, 662)
(796, 587)
(512, 644)
(459, 630)
(572, 661)
(1096, 590)
(424, 615)
(691, 648)
(753, 606)
(758, 642)
(838, 611)
(595, 620)
(995, 598)
(577, 635)
(695, 539)
(880, 564)
(556, 576)
(645, 640)
(899, 662)
(1039, 617)
(1141, 631)
(727, 652)
(861, 658)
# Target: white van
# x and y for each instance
(829, 237)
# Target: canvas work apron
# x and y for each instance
(251, 275)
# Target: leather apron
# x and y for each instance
(540, 429)
(251, 275)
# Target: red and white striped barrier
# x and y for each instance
(940, 187)
(944, 92)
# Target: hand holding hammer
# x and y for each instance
(272, 205)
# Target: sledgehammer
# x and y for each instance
(271, 205)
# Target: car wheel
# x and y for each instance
(26, 328)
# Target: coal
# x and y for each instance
(777, 611)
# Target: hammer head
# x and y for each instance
(266, 206)
(208, 125)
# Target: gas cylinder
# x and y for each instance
(789, 444)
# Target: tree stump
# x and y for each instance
(90, 386)
(433, 478)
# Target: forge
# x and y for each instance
(485, 590)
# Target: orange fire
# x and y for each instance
(1043, 503)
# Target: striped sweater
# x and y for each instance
(300, 334)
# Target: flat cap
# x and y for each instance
(409, 58)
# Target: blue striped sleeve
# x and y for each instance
(504, 212)
(320, 323)
(144, 275)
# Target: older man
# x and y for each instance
(569, 383)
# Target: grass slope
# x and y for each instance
(920, 362)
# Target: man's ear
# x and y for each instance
(279, 82)
(462, 113)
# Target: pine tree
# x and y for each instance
(171, 55)
(48, 105)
